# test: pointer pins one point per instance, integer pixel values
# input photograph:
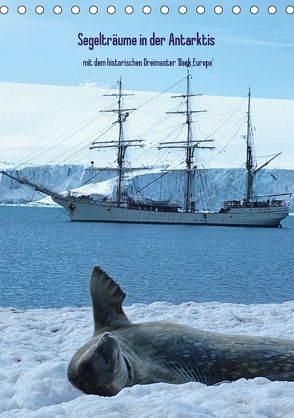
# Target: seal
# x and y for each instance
(122, 353)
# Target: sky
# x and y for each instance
(43, 50)
(249, 49)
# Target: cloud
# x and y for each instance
(94, 84)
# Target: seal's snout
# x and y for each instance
(98, 368)
(107, 339)
(107, 350)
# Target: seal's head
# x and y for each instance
(102, 369)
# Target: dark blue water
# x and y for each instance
(45, 261)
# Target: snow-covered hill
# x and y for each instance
(41, 124)
(212, 186)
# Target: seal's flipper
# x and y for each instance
(107, 298)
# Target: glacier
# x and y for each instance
(212, 186)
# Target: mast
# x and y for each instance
(121, 147)
(189, 145)
(251, 167)
(249, 154)
(189, 151)
(121, 144)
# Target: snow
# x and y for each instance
(36, 346)
(58, 123)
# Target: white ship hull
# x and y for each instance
(92, 211)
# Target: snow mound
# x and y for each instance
(36, 346)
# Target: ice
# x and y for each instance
(213, 185)
(37, 344)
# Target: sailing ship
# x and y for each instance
(258, 211)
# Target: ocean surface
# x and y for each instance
(46, 260)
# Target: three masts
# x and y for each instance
(248, 212)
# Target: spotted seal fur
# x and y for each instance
(122, 353)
